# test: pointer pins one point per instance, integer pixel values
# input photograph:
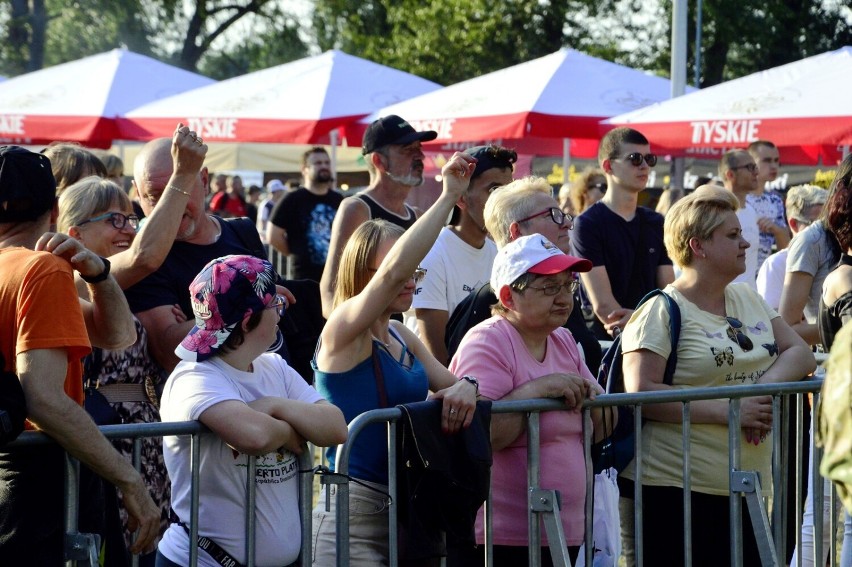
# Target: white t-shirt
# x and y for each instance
(751, 232)
(454, 268)
(192, 388)
(770, 278)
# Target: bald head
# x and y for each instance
(156, 155)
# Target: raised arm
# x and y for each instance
(151, 246)
(352, 213)
(352, 318)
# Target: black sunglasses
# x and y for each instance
(736, 335)
(557, 215)
(636, 159)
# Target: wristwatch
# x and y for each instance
(473, 381)
(100, 277)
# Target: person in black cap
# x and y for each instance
(391, 149)
(43, 336)
(460, 260)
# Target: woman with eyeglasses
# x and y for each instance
(523, 352)
(365, 361)
(729, 336)
(231, 380)
(99, 214)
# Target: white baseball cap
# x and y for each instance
(534, 254)
(275, 185)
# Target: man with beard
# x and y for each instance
(391, 148)
(300, 224)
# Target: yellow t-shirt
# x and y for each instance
(706, 357)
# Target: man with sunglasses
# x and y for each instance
(738, 173)
(461, 258)
(623, 240)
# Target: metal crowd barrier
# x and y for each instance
(770, 533)
(79, 548)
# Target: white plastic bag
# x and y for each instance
(606, 530)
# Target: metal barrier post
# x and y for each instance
(687, 486)
(800, 432)
(638, 532)
(306, 497)
(533, 524)
(818, 497)
(194, 491)
(734, 465)
(779, 476)
(393, 510)
(588, 539)
(80, 549)
(251, 503)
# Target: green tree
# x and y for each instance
(46, 32)
(446, 41)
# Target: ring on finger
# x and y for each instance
(452, 411)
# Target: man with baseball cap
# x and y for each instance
(461, 258)
(391, 149)
(43, 337)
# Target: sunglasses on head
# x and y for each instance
(637, 158)
(736, 335)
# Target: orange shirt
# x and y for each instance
(39, 309)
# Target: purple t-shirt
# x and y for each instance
(494, 352)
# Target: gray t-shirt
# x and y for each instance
(811, 252)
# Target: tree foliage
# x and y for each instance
(185, 33)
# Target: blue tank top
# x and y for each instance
(355, 392)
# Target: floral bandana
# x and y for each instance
(226, 291)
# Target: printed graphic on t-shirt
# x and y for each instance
(274, 468)
(319, 232)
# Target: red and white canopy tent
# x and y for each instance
(802, 107)
(534, 107)
(298, 102)
(79, 101)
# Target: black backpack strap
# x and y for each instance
(674, 330)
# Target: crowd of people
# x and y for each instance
(155, 301)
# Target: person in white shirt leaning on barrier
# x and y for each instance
(231, 380)
(729, 336)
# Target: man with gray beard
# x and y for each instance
(394, 158)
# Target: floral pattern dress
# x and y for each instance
(135, 366)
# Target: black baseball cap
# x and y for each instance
(392, 129)
(27, 185)
(490, 157)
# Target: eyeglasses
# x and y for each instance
(751, 167)
(599, 186)
(736, 335)
(636, 159)
(557, 215)
(279, 303)
(418, 275)
(118, 220)
(553, 289)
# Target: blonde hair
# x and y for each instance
(354, 272)
(87, 198)
(580, 188)
(511, 202)
(800, 198)
(667, 200)
(696, 216)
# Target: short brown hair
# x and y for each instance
(72, 162)
(611, 143)
(313, 150)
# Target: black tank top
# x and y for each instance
(379, 212)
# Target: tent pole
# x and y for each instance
(566, 160)
(845, 152)
(333, 139)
